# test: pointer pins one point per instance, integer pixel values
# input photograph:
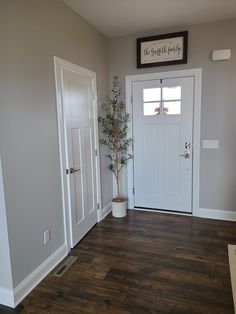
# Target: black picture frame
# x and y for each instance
(175, 43)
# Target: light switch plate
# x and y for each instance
(210, 144)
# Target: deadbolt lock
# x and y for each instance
(187, 145)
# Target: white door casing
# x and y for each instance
(162, 127)
(196, 74)
(78, 143)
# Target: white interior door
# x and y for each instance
(80, 137)
(162, 129)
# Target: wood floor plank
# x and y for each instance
(144, 263)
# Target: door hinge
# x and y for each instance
(98, 205)
(96, 152)
(132, 100)
(67, 171)
(133, 190)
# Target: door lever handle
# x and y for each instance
(185, 155)
(72, 170)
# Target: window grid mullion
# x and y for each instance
(171, 100)
(151, 101)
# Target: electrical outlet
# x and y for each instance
(46, 236)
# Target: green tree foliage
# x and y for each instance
(114, 126)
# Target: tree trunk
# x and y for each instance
(117, 185)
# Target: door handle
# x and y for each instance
(185, 155)
(72, 170)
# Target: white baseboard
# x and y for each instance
(31, 281)
(106, 210)
(217, 214)
(202, 212)
(7, 297)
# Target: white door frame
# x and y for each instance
(197, 75)
(59, 66)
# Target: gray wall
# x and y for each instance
(218, 167)
(31, 33)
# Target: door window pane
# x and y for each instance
(171, 93)
(151, 108)
(151, 94)
(172, 107)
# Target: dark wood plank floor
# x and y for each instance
(144, 263)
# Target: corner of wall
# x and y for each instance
(6, 283)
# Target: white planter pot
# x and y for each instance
(119, 209)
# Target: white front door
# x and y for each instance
(162, 130)
(80, 141)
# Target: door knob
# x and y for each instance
(72, 170)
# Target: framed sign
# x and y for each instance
(161, 50)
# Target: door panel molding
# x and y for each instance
(61, 65)
(197, 76)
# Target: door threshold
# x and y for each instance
(163, 211)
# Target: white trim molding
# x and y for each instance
(6, 284)
(105, 211)
(197, 75)
(13, 297)
(7, 297)
(217, 214)
(208, 213)
(31, 281)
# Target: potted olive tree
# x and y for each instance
(114, 124)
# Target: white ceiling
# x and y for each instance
(123, 17)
